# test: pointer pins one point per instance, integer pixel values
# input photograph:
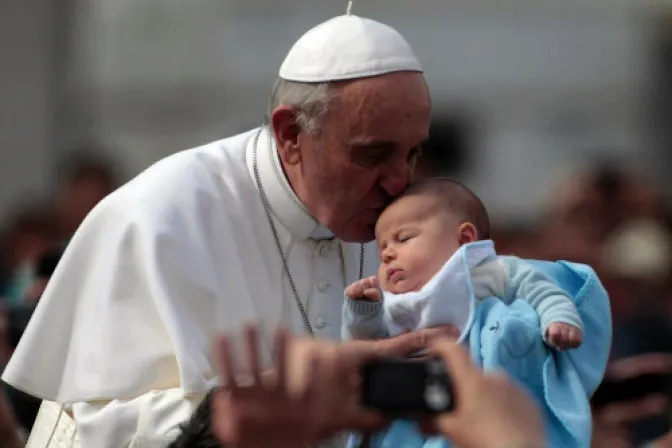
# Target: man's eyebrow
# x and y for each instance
(374, 144)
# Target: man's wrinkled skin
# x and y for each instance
(363, 155)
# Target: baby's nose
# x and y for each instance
(388, 255)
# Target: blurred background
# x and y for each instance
(558, 113)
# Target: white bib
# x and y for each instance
(447, 299)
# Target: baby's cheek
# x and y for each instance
(384, 284)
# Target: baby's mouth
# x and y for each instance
(394, 274)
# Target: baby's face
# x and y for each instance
(416, 236)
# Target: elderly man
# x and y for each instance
(266, 227)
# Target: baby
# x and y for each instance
(419, 238)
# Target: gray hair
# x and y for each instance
(311, 100)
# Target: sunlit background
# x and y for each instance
(557, 112)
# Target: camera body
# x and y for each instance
(407, 387)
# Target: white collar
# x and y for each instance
(284, 203)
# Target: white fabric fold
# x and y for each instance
(448, 298)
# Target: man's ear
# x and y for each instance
(286, 133)
(467, 233)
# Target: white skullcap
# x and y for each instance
(348, 47)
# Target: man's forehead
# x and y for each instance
(393, 90)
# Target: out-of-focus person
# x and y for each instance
(585, 209)
(22, 242)
(25, 240)
(86, 178)
(636, 262)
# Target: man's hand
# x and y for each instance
(612, 423)
(409, 343)
(490, 410)
(313, 394)
(262, 413)
(365, 289)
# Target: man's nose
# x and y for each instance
(396, 178)
(388, 255)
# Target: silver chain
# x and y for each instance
(267, 209)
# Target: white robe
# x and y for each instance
(121, 339)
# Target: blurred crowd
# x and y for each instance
(618, 222)
(32, 239)
(609, 217)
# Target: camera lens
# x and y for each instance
(437, 397)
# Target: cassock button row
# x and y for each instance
(320, 323)
(323, 285)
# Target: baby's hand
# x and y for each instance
(365, 289)
(563, 336)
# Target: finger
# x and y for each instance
(311, 391)
(619, 414)
(372, 294)
(638, 365)
(408, 343)
(252, 345)
(553, 337)
(224, 418)
(457, 360)
(280, 357)
(446, 331)
(559, 342)
(562, 338)
(401, 345)
(576, 337)
(355, 290)
(372, 282)
(224, 362)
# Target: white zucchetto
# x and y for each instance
(348, 47)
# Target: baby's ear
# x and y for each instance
(467, 233)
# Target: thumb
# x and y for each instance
(461, 371)
(456, 358)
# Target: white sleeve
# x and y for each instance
(151, 420)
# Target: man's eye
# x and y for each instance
(370, 160)
(414, 154)
(404, 238)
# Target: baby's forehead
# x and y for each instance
(408, 209)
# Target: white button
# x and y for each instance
(320, 323)
(323, 285)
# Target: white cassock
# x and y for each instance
(123, 334)
(121, 339)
